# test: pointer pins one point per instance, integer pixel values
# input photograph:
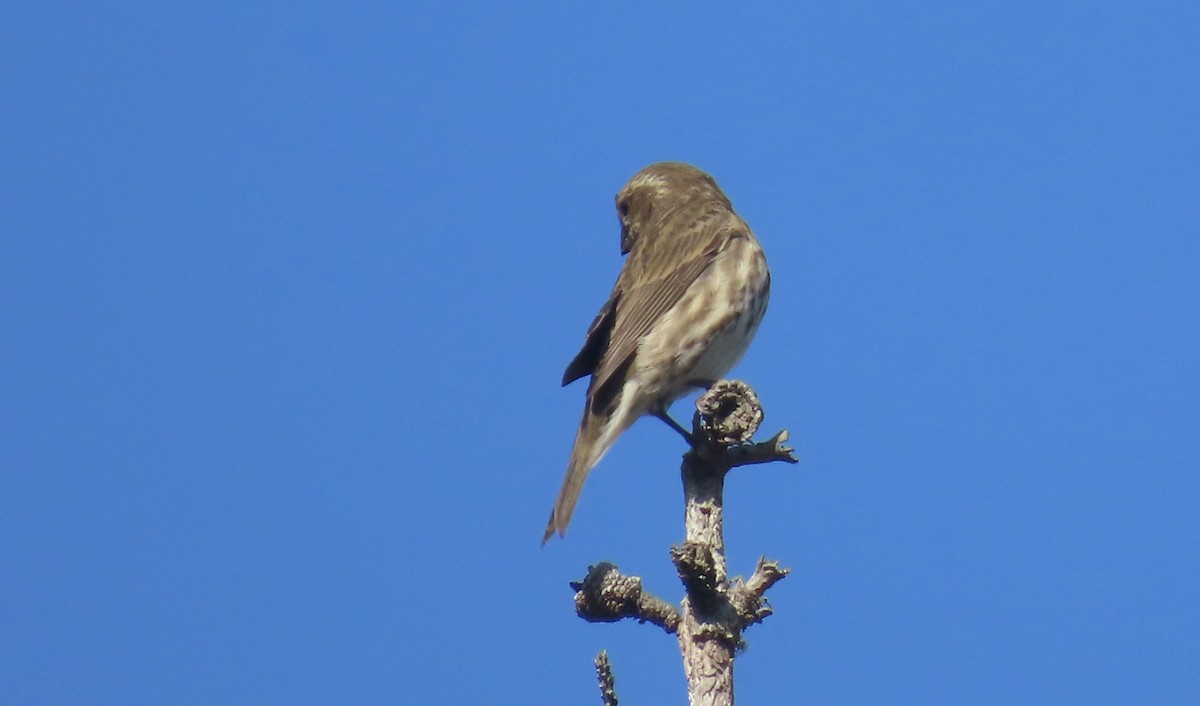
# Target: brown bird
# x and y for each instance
(686, 304)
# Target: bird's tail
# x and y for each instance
(597, 432)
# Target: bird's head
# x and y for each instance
(671, 182)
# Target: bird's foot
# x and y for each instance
(666, 418)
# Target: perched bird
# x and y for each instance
(686, 304)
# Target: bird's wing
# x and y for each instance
(641, 304)
(595, 343)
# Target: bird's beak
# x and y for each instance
(626, 239)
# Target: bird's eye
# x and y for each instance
(623, 207)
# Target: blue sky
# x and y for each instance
(287, 291)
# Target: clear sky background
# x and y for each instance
(286, 292)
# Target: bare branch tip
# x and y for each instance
(604, 676)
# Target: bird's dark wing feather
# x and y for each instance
(595, 343)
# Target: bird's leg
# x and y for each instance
(660, 411)
(666, 418)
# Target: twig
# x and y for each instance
(604, 675)
(606, 595)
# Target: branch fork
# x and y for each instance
(710, 620)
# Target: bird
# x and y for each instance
(688, 300)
